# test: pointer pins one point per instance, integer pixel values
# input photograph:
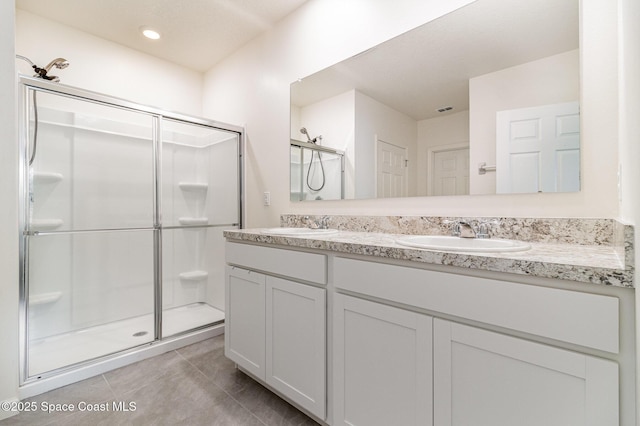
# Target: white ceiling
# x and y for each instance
(195, 33)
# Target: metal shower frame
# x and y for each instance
(25, 86)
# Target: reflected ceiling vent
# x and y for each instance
(445, 109)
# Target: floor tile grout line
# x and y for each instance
(224, 390)
(170, 375)
(113, 392)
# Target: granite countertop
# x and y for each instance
(602, 264)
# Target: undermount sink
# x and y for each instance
(441, 242)
(299, 231)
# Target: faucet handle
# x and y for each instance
(455, 226)
(484, 226)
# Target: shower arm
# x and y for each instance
(314, 147)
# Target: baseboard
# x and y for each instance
(6, 408)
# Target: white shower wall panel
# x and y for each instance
(111, 278)
(105, 164)
(183, 164)
(89, 173)
(183, 253)
(193, 266)
(81, 280)
(222, 202)
(50, 284)
(113, 181)
(52, 186)
(49, 269)
(200, 182)
(200, 188)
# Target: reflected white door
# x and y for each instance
(538, 149)
(450, 174)
(391, 170)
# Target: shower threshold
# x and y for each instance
(63, 350)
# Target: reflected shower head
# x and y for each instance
(303, 130)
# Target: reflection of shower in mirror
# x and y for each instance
(322, 175)
(306, 133)
(317, 172)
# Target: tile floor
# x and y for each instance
(194, 385)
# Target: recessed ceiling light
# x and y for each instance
(150, 33)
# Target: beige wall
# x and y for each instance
(251, 87)
(300, 46)
(8, 212)
(629, 86)
(435, 133)
(376, 121)
(106, 67)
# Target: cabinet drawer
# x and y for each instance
(295, 264)
(584, 319)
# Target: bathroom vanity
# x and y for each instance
(354, 328)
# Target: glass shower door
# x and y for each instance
(200, 199)
(89, 230)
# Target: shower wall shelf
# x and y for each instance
(194, 275)
(44, 298)
(193, 186)
(193, 221)
(45, 224)
(46, 177)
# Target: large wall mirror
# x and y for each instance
(483, 100)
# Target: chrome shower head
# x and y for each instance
(304, 132)
(59, 63)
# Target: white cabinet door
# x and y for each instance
(382, 365)
(486, 378)
(244, 336)
(296, 336)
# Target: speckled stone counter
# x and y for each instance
(596, 251)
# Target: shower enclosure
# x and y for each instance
(122, 213)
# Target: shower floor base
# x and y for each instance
(67, 349)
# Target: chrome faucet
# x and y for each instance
(321, 222)
(461, 228)
(465, 229)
